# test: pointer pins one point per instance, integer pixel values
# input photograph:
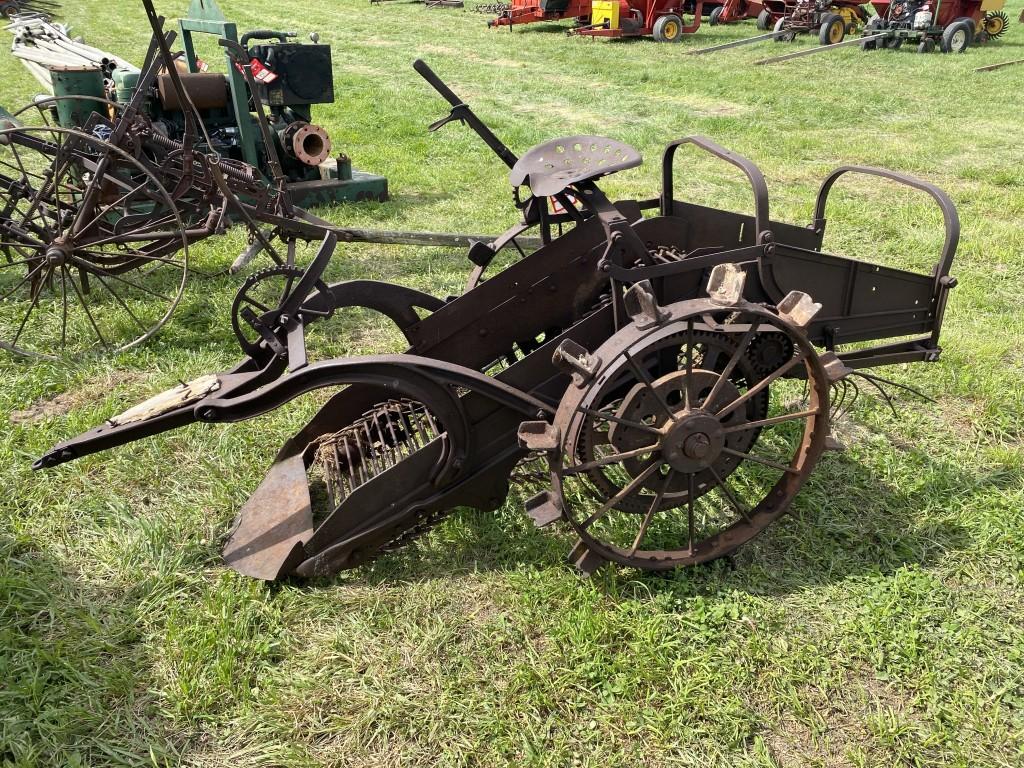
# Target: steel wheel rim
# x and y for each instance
(49, 207)
(42, 106)
(726, 538)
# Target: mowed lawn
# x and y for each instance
(880, 624)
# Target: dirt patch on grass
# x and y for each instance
(65, 402)
(833, 728)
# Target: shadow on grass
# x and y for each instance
(845, 522)
(70, 665)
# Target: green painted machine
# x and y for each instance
(290, 79)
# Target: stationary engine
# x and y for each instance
(287, 78)
(290, 78)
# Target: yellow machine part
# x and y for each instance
(850, 17)
(602, 11)
(992, 5)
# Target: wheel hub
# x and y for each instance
(693, 443)
(57, 254)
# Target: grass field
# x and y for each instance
(878, 625)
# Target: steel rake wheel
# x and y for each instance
(93, 251)
(696, 456)
(994, 23)
(46, 110)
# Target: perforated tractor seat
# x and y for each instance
(549, 168)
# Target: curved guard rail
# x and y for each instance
(950, 217)
(751, 171)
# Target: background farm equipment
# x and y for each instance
(612, 18)
(532, 11)
(290, 79)
(830, 21)
(661, 19)
(670, 374)
(44, 8)
(950, 25)
(96, 220)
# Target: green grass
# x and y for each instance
(878, 625)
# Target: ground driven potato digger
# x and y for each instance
(671, 368)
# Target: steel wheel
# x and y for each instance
(994, 23)
(705, 436)
(43, 111)
(93, 253)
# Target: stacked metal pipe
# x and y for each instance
(43, 46)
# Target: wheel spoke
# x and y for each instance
(64, 308)
(773, 420)
(727, 492)
(134, 255)
(107, 208)
(613, 459)
(618, 420)
(761, 460)
(687, 396)
(32, 305)
(645, 379)
(733, 361)
(24, 280)
(89, 267)
(85, 306)
(650, 513)
(762, 384)
(18, 263)
(633, 485)
(121, 302)
(691, 491)
(251, 301)
(6, 244)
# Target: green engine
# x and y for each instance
(290, 79)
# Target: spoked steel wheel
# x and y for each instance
(692, 438)
(51, 110)
(93, 253)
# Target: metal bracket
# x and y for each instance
(642, 305)
(725, 286)
(538, 436)
(584, 559)
(835, 368)
(798, 308)
(570, 357)
(544, 509)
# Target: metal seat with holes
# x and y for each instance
(549, 168)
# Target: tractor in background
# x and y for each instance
(831, 20)
(950, 25)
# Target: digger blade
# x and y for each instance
(272, 526)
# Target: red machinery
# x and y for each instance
(951, 25)
(660, 19)
(624, 18)
(529, 11)
(737, 10)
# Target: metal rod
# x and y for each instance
(1000, 65)
(820, 48)
(736, 43)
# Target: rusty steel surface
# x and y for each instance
(661, 372)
